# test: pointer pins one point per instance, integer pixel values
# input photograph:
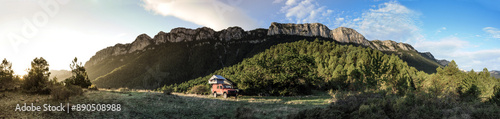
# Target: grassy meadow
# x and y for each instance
(149, 104)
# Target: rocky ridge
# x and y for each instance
(175, 35)
(341, 34)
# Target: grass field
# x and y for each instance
(144, 104)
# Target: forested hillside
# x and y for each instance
(299, 67)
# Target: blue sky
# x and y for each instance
(466, 31)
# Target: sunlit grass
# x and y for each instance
(150, 104)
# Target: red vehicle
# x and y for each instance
(222, 86)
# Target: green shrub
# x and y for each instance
(496, 95)
(167, 90)
(471, 94)
(487, 112)
(60, 92)
(199, 89)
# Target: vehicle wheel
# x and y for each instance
(225, 95)
(215, 95)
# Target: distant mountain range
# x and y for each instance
(495, 73)
(60, 74)
(184, 54)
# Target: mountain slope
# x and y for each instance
(184, 54)
(298, 67)
(61, 75)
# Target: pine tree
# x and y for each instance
(80, 77)
(6, 73)
(38, 76)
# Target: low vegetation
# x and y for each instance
(411, 105)
(157, 105)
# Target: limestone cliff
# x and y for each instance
(341, 34)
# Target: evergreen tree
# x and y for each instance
(6, 73)
(496, 95)
(80, 77)
(38, 76)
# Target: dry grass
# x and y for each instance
(150, 104)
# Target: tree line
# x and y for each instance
(37, 81)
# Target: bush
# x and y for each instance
(35, 85)
(471, 94)
(167, 91)
(496, 95)
(60, 92)
(199, 89)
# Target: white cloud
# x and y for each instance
(441, 29)
(443, 48)
(494, 32)
(305, 11)
(388, 21)
(454, 48)
(478, 60)
(291, 2)
(211, 13)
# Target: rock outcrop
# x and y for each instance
(232, 33)
(443, 62)
(341, 34)
(348, 35)
(389, 45)
(186, 35)
(308, 29)
(118, 49)
(141, 42)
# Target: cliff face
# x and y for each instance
(175, 35)
(341, 34)
(140, 43)
(311, 29)
(348, 35)
(389, 45)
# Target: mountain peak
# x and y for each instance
(140, 43)
(348, 35)
(389, 45)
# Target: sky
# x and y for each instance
(467, 31)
